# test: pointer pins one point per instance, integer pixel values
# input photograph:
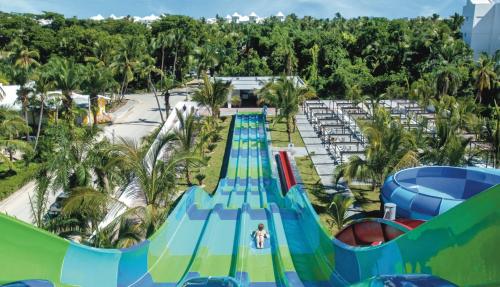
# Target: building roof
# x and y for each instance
(280, 14)
(98, 17)
(254, 83)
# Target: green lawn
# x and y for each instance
(279, 136)
(213, 168)
(368, 199)
(314, 189)
(11, 181)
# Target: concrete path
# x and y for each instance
(319, 155)
(321, 159)
(137, 118)
(296, 152)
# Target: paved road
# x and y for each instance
(18, 203)
(134, 120)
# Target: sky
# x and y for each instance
(263, 8)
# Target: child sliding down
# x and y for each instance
(260, 235)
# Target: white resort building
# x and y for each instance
(246, 88)
(481, 29)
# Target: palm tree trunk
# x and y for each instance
(288, 131)
(11, 153)
(162, 67)
(479, 97)
(156, 97)
(175, 64)
(39, 122)
(188, 180)
(25, 108)
(122, 89)
(167, 103)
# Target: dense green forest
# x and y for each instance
(338, 56)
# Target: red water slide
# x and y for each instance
(287, 170)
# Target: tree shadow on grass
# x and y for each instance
(7, 173)
(369, 200)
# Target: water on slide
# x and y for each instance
(212, 236)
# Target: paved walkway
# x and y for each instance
(319, 155)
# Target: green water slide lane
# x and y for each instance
(234, 162)
(253, 188)
(179, 246)
(258, 265)
(25, 249)
(260, 182)
(309, 261)
(214, 255)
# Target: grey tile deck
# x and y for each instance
(323, 164)
(319, 155)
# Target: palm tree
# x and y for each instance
(39, 200)
(68, 77)
(446, 146)
(2, 93)
(22, 61)
(43, 85)
(390, 149)
(207, 58)
(179, 44)
(147, 69)
(186, 135)
(81, 167)
(102, 52)
(485, 75)
(456, 21)
(162, 42)
(422, 90)
(97, 80)
(339, 209)
(11, 126)
(72, 161)
(284, 52)
(213, 95)
(493, 129)
(313, 76)
(448, 80)
(126, 61)
(156, 181)
(88, 206)
(286, 96)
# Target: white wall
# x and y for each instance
(481, 29)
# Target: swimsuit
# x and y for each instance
(261, 234)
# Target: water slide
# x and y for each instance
(212, 236)
(425, 192)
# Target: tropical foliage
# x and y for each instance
(213, 95)
(339, 211)
(390, 148)
(285, 94)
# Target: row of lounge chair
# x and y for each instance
(336, 126)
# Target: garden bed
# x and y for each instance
(11, 181)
